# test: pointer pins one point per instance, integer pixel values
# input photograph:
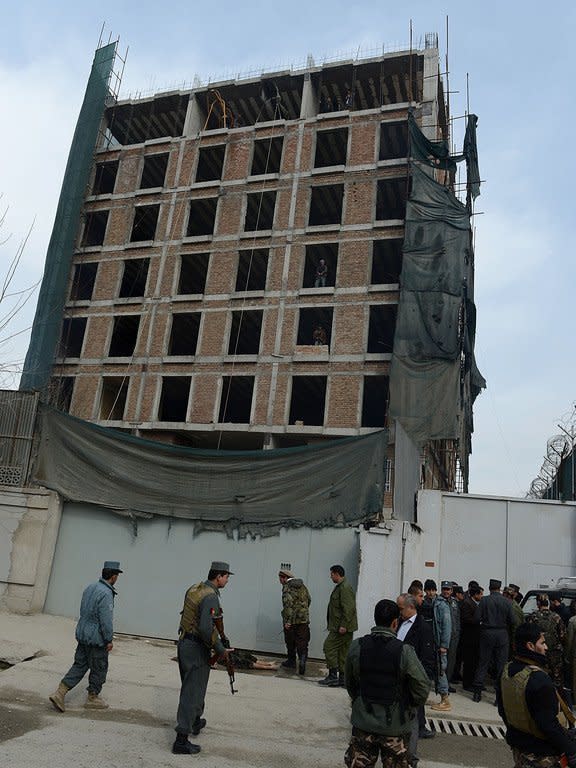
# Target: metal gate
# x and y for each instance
(161, 558)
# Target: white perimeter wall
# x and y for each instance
(463, 537)
(29, 521)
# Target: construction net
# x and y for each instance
(433, 375)
(52, 296)
(334, 483)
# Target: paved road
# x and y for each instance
(274, 721)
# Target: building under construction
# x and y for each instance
(268, 263)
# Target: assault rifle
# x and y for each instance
(226, 659)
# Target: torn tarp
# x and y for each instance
(338, 482)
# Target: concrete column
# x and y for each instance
(309, 106)
(195, 120)
(430, 94)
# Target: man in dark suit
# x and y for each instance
(416, 632)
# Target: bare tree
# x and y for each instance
(13, 299)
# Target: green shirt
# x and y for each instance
(395, 719)
(342, 608)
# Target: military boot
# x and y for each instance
(302, 664)
(443, 705)
(341, 680)
(57, 698)
(95, 702)
(289, 663)
(198, 724)
(477, 695)
(184, 747)
(331, 679)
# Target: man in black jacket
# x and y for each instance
(417, 632)
(470, 635)
(536, 718)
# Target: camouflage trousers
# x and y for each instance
(530, 760)
(365, 748)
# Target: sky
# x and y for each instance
(517, 65)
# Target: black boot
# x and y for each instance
(477, 695)
(199, 723)
(341, 680)
(184, 747)
(290, 663)
(331, 679)
(302, 664)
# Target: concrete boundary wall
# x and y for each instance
(29, 523)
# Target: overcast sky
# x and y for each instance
(520, 65)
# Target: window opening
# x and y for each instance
(331, 147)
(326, 205)
(145, 221)
(124, 335)
(61, 391)
(193, 271)
(135, 123)
(391, 199)
(386, 261)
(72, 336)
(260, 211)
(174, 398)
(184, 333)
(248, 103)
(94, 228)
(393, 141)
(210, 163)
(320, 265)
(134, 278)
(245, 332)
(308, 400)
(83, 281)
(315, 326)
(154, 171)
(236, 399)
(375, 401)
(381, 328)
(202, 216)
(113, 398)
(252, 270)
(105, 178)
(267, 156)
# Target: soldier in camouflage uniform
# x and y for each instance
(296, 619)
(536, 717)
(386, 683)
(555, 633)
(517, 617)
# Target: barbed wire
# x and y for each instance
(558, 448)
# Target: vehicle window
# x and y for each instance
(530, 605)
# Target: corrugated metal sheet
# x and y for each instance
(17, 420)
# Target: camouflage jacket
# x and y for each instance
(295, 602)
(552, 626)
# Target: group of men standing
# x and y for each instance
(341, 622)
(388, 673)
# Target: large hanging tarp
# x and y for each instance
(332, 483)
(433, 375)
(52, 296)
